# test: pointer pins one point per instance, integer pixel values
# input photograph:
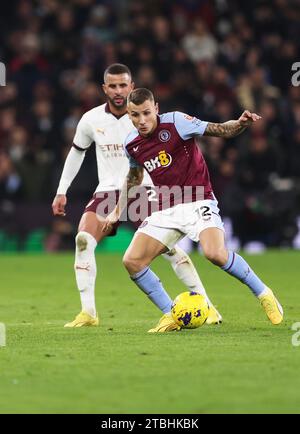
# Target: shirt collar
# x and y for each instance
(107, 110)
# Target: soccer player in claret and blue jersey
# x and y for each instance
(108, 125)
(164, 145)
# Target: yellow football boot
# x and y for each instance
(165, 324)
(214, 317)
(83, 319)
(272, 307)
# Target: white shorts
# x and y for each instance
(187, 219)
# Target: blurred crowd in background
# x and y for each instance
(211, 59)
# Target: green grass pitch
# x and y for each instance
(245, 365)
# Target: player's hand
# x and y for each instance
(247, 118)
(58, 205)
(110, 220)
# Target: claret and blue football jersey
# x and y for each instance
(171, 155)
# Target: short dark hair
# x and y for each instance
(140, 95)
(117, 68)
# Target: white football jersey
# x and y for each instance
(108, 132)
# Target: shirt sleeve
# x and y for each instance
(83, 137)
(132, 162)
(72, 165)
(188, 126)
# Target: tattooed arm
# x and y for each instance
(134, 178)
(231, 128)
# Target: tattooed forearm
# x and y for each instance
(227, 129)
(133, 179)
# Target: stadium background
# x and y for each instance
(207, 58)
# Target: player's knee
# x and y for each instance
(85, 241)
(215, 255)
(132, 264)
(81, 241)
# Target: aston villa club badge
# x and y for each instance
(164, 135)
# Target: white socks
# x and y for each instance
(86, 270)
(185, 271)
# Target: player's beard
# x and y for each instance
(118, 106)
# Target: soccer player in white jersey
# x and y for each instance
(164, 145)
(107, 125)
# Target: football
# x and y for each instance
(190, 310)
